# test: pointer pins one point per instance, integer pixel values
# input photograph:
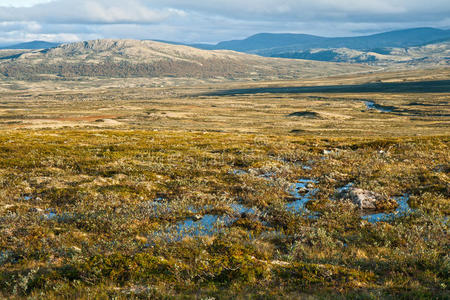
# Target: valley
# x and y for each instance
(145, 170)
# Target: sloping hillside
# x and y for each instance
(432, 55)
(131, 58)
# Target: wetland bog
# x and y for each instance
(179, 191)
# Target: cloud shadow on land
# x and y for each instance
(438, 86)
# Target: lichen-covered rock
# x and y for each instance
(364, 199)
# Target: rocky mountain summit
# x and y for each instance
(132, 58)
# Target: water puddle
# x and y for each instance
(29, 198)
(268, 176)
(6, 256)
(209, 224)
(403, 209)
(205, 226)
(238, 172)
(241, 209)
(372, 105)
(345, 188)
(302, 193)
(50, 214)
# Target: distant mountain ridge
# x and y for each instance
(34, 45)
(436, 54)
(269, 44)
(133, 58)
(418, 47)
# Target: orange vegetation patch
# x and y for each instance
(87, 118)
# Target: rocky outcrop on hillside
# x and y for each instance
(132, 58)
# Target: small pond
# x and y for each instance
(207, 225)
(302, 193)
(373, 105)
(402, 210)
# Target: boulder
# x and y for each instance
(364, 199)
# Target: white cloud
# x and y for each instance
(211, 20)
(22, 3)
(315, 9)
(87, 12)
(151, 11)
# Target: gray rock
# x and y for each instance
(197, 217)
(364, 199)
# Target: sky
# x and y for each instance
(210, 21)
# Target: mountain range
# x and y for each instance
(428, 55)
(262, 56)
(417, 46)
(268, 44)
(134, 58)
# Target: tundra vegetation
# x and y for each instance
(177, 193)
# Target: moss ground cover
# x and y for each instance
(93, 214)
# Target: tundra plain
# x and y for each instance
(185, 188)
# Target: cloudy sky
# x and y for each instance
(210, 20)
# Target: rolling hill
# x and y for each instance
(271, 44)
(431, 55)
(132, 58)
